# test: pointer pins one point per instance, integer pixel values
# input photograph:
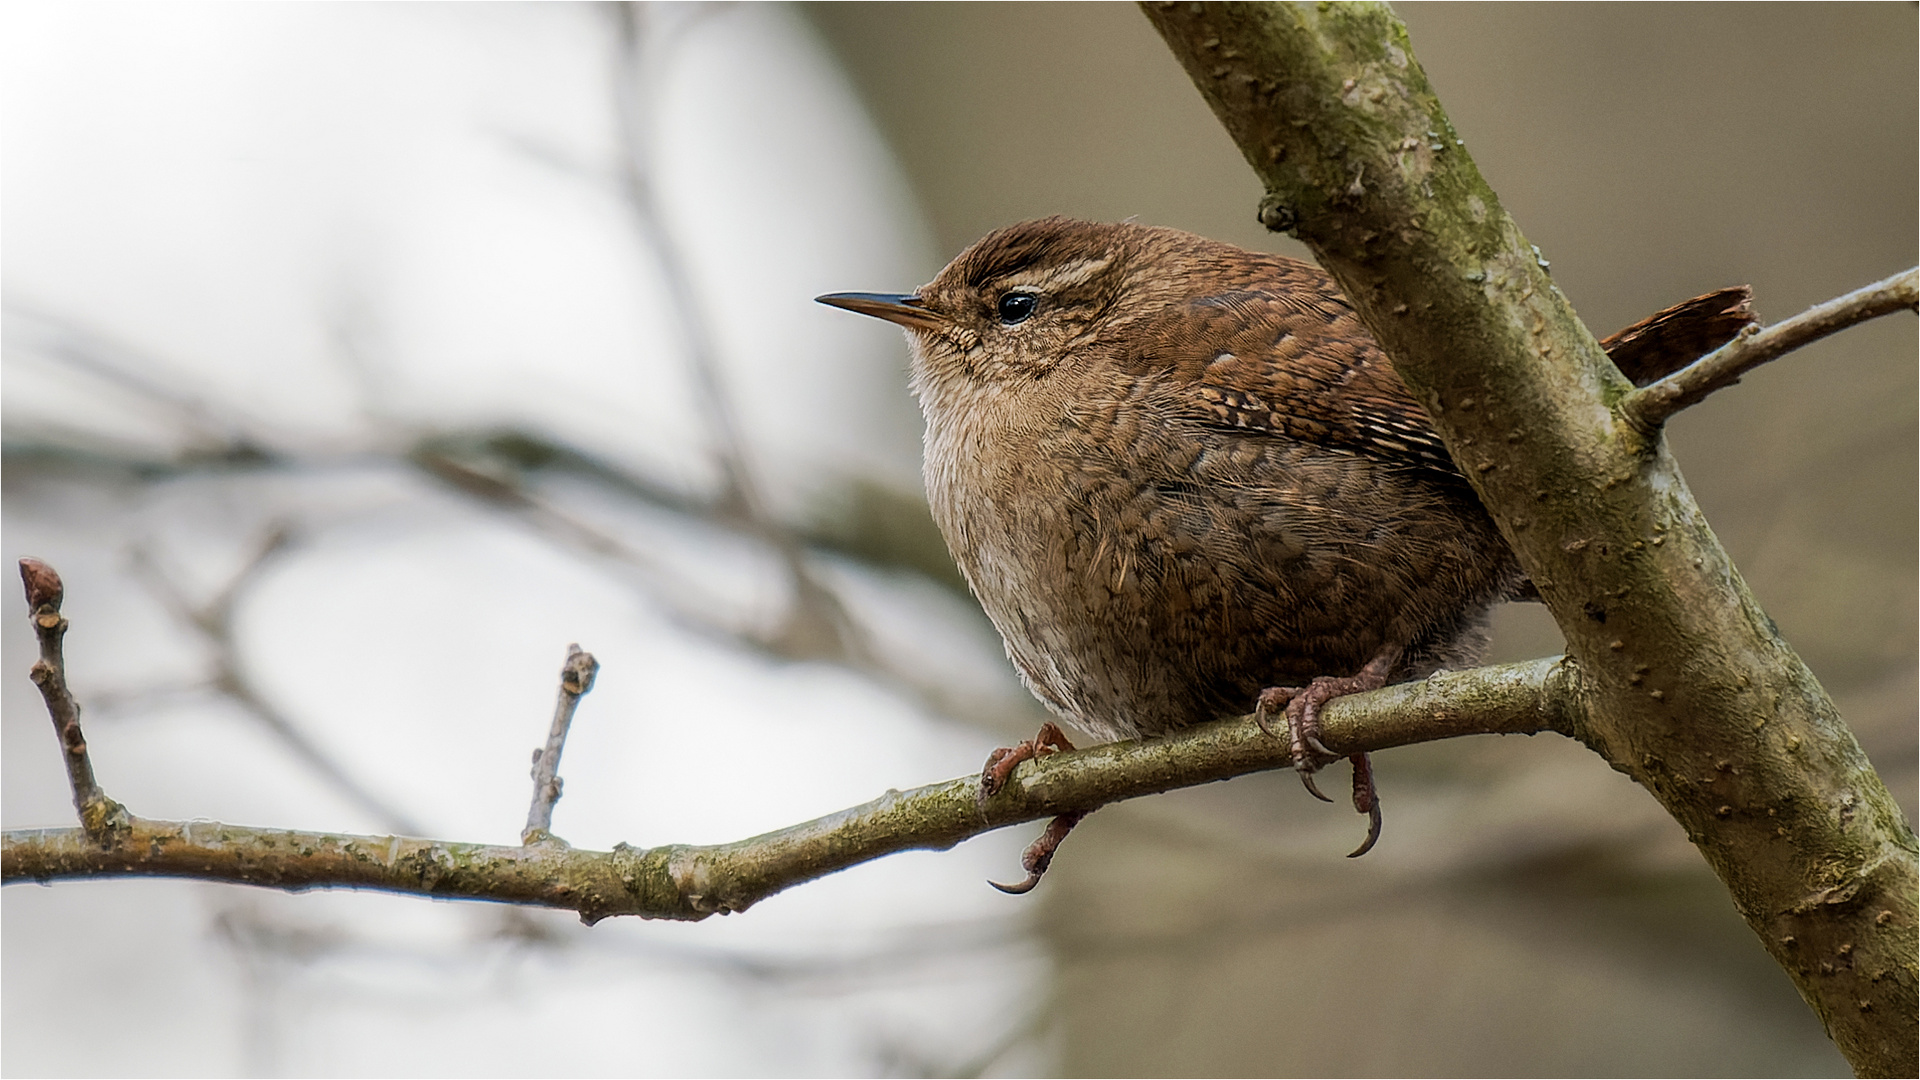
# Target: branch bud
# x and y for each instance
(44, 589)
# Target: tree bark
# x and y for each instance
(1686, 685)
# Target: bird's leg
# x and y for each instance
(1000, 765)
(1366, 799)
(1039, 854)
(1303, 731)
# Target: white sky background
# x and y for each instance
(330, 229)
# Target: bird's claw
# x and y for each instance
(1273, 699)
(1039, 854)
(1020, 889)
(1306, 778)
(1366, 799)
(1302, 705)
(1373, 832)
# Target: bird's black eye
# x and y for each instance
(1016, 307)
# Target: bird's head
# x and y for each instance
(1020, 303)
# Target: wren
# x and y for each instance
(1185, 482)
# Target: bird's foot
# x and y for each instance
(1000, 766)
(1309, 754)
(1302, 705)
(1001, 762)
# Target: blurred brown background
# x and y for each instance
(1529, 912)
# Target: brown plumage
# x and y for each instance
(1178, 473)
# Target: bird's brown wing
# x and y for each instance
(1286, 356)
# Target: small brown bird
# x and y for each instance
(1184, 481)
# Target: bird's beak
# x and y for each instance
(904, 309)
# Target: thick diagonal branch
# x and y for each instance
(1688, 687)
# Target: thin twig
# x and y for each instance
(101, 816)
(576, 678)
(692, 882)
(1652, 406)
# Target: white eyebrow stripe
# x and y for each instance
(1056, 278)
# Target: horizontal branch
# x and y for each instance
(681, 881)
(1652, 406)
